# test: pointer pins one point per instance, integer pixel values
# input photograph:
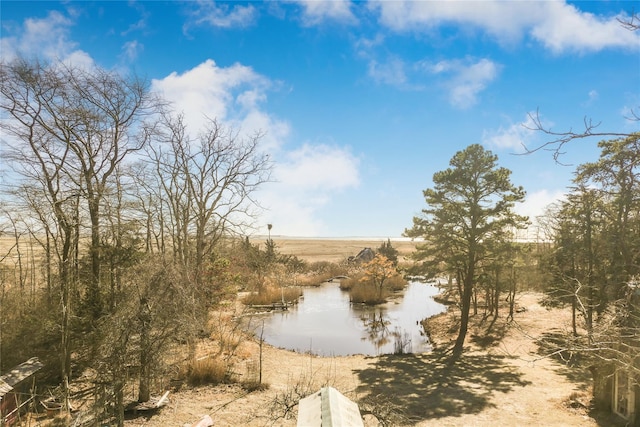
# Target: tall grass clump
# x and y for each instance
(206, 371)
(395, 283)
(271, 295)
(366, 293)
(348, 284)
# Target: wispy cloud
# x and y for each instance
(465, 79)
(516, 136)
(592, 97)
(131, 50)
(391, 72)
(221, 14)
(320, 11)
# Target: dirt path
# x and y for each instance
(495, 383)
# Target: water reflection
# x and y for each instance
(376, 323)
(325, 323)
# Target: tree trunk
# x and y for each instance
(496, 296)
(464, 319)
(467, 291)
(93, 292)
(144, 316)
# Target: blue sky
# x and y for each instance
(362, 102)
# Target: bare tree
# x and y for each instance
(67, 129)
(86, 122)
(208, 186)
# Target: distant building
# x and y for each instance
(364, 256)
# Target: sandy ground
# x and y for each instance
(500, 380)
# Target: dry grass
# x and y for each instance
(206, 371)
(334, 250)
(271, 295)
(366, 293)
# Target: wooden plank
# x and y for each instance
(161, 402)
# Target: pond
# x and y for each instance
(325, 323)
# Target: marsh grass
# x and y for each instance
(395, 283)
(367, 293)
(272, 295)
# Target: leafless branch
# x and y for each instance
(560, 138)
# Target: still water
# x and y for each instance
(325, 323)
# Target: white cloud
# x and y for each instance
(229, 94)
(223, 15)
(364, 46)
(535, 204)
(305, 181)
(470, 81)
(516, 136)
(557, 25)
(319, 11)
(46, 38)
(319, 168)
(565, 28)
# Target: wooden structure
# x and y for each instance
(617, 388)
(328, 408)
(17, 390)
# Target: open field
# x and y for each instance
(334, 250)
(311, 250)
